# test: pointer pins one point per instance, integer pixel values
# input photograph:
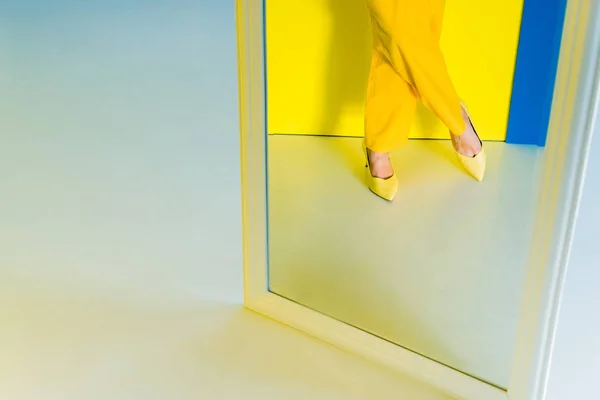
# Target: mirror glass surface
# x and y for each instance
(439, 270)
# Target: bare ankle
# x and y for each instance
(380, 164)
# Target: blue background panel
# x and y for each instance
(535, 73)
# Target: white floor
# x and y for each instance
(438, 271)
(94, 344)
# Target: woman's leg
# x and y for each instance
(389, 113)
(407, 36)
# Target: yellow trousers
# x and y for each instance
(407, 64)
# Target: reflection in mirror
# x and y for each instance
(426, 245)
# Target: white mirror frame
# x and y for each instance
(571, 126)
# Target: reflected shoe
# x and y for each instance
(475, 165)
(384, 188)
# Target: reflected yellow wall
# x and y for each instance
(318, 54)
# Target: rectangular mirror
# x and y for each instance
(439, 269)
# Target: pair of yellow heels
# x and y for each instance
(387, 188)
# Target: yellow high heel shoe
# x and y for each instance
(384, 188)
(475, 166)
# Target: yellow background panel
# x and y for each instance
(318, 54)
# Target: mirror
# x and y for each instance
(439, 269)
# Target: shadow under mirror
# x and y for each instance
(439, 270)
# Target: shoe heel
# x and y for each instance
(475, 166)
(384, 188)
